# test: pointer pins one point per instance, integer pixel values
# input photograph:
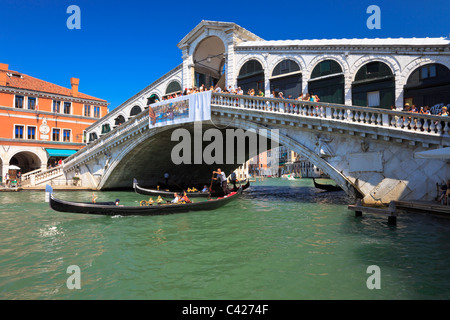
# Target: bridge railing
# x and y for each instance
(104, 139)
(399, 120)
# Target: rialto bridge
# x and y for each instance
(351, 135)
(369, 152)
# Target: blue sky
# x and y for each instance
(123, 46)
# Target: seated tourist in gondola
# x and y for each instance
(175, 198)
(185, 198)
(205, 188)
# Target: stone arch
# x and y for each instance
(419, 62)
(318, 59)
(264, 69)
(120, 118)
(207, 34)
(289, 83)
(391, 62)
(246, 59)
(153, 96)
(374, 85)
(330, 87)
(175, 83)
(135, 110)
(298, 59)
(283, 139)
(27, 160)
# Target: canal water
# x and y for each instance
(282, 240)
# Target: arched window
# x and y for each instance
(173, 87)
(106, 128)
(135, 110)
(119, 120)
(327, 82)
(92, 136)
(286, 78)
(153, 99)
(428, 85)
(251, 76)
(374, 86)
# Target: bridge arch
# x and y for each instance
(153, 98)
(209, 61)
(136, 109)
(145, 137)
(286, 77)
(428, 85)
(374, 85)
(251, 75)
(393, 64)
(327, 80)
(174, 86)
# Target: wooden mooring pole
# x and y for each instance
(391, 211)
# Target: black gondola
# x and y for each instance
(326, 187)
(169, 194)
(109, 208)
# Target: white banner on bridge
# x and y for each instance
(194, 107)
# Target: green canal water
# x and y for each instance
(281, 240)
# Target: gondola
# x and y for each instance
(109, 208)
(245, 186)
(326, 187)
(169, 194)
(166, 194)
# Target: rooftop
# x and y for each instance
(19, 80)
(411, 42)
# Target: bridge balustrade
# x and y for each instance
(399, 120)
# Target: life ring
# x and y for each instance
(143, 203)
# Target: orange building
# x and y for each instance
(40, 122)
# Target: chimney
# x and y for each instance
(74, 82)
(3, 70)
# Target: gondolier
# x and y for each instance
(222, 178)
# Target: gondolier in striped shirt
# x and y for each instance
(220, 175)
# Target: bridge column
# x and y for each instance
(399, 91)
(348, 91)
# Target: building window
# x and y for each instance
(19, 102)
(373, 99)
(31, 133)
(428, 71)
(66, 135)
(18, 132)
(87, 110)
(56, 106)
(67, 106)
(96, 112)
(373, 67)
(31, 103)
(56, 134)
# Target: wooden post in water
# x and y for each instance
(392, 219)
(358, 213)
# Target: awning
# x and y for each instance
(60, 152)
(441, 153)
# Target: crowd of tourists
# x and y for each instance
(238, 91)
(438, 109)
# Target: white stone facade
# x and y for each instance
(402, 55)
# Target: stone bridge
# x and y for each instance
(369, 152)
